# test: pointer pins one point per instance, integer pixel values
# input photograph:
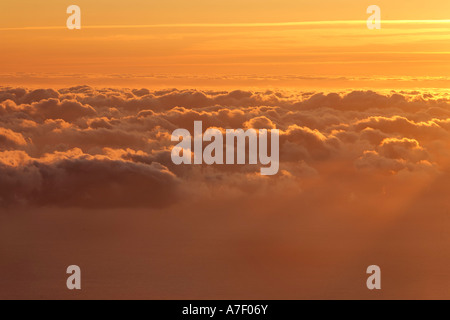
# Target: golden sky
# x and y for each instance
(258, 40)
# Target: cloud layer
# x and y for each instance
(101, 148)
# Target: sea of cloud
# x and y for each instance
(107, 148)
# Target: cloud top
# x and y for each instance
(109, 147)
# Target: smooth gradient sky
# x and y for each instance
(129, 42)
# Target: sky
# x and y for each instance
(86, 175)
(216, 43)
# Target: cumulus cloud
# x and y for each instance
(108, 147)
(261, 122)
(9, 138)
(76, 179)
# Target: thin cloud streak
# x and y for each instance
(233, 25)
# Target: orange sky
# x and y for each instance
(222, 41)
